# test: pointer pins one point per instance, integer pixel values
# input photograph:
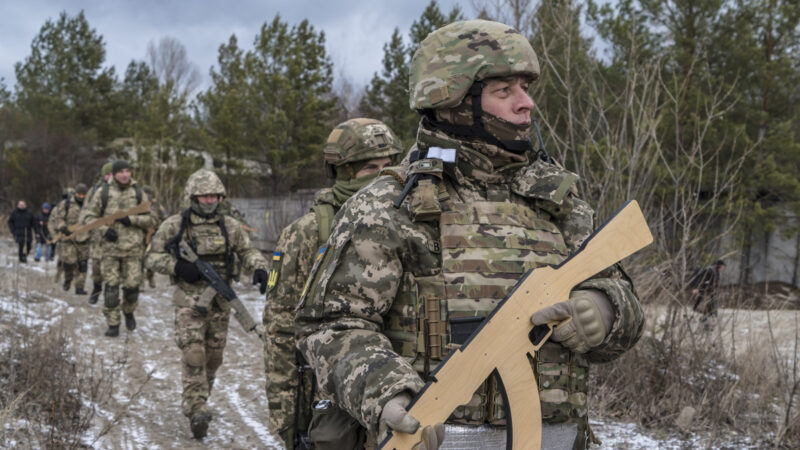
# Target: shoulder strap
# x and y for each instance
(103, 199)
(324, 214)
(66, 206)
(139, 194)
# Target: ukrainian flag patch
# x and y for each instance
(276, 269)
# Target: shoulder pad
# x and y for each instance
(544, 181)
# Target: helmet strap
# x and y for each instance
(476, 129)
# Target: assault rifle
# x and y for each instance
(505, 341)
(77, 229)
(216, 284)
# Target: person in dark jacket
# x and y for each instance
(22, 225)
(43, 234)
(704, 288)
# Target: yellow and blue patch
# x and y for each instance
(276, 268)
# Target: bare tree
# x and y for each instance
(517, 13)
(171, 65)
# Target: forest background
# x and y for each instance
(690, 107)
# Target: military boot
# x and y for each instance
(199, 424)
(67, 282)
(80, 291)
(95, 295)
(130, 321)
(113, 331)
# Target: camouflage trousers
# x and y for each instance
(97, 271)
(125, 272)
(286, 387)
(201, 338)
(75, 260)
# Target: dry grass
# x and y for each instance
(740, 374)
(47, 391)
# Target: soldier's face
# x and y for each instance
(123, 176)
(208, 199)
(507, 98)
(107, 176)
(21, 204)
(373, 166)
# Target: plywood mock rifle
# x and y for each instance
(76, 229)
(506, 338)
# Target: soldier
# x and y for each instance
(59, 264)
(74, 248)
(96, 239)
(482, 209)
(216, 238)
(161, 215)
(122, 246)
(354, 154)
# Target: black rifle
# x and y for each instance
(217, 285)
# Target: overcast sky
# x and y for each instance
(355, 30)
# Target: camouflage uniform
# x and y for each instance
(350, 145)
(95, 239)
(202, 337)
(74, 251)
(161, 215)
(121, 260)
(394, 283)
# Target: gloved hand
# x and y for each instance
(260, 277)
(187, 271)
(64, 230)
(124, 220)
(396, 417)
(592, 316)
(111, 235)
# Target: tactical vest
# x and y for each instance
(485, 248)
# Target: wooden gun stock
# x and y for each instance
(502, 344)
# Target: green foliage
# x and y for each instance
(386, 97)
(272, 104)
(63, 84)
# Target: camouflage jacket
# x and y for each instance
(297, 246)
(68, 217)
(207, 237)
(130, 240)
(374, 246)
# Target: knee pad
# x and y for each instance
(130, 294)
(194, 356)
(83, 266)
(213, 359)
(111, 296)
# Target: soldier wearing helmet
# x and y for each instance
(74, 250)
(122, 244)
(418, 258)
(354, 154)
(96, 239)
(217, 238)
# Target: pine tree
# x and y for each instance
(386, 97)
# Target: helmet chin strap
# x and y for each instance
(476, 129)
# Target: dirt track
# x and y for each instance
(152, 419)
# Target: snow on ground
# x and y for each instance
(146, 387)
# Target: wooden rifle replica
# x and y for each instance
(505, 340)
(108, 220)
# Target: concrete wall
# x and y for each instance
(773, 257)
(273, 214)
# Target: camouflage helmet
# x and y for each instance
(81, 188)
(204, 182)
(453, 57)
(359, 139)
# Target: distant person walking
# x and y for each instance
(43, 235)
(704, 289)
(22, 225)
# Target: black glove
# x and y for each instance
(187, 271)
(260, 277)
(124, 220)
(65, 231)
(111, 235)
